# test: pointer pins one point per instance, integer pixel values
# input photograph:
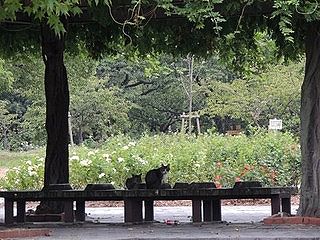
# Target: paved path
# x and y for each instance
(183, 231)
(240, 222)
(233, 214)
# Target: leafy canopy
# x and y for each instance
(195, 26)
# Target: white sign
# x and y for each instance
(275, 124)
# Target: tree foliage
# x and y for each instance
(8, 122)
(256, 99)
(158, 85)
(130, 93)
(6, 77)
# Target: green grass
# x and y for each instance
(13, 159)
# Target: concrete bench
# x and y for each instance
(206, 202)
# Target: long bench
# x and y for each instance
(206, 202)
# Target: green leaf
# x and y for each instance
(76, 10)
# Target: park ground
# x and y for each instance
(240, 222)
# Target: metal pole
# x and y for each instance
(182, 123)
(70, 129)
(198, 124)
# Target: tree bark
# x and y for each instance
(310, 125)
(57, 107)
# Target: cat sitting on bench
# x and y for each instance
(156, 177)
(133, 182)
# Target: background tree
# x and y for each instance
(26, 98)
(6, 77)
(155, 84)
(97, 112)
(8, 122)
(256, 99)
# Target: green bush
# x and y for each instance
(272, 158)
(28, 176)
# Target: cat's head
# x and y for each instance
(137, 178)
(164, 169)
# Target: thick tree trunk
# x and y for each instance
(57, 107)
(310, 126)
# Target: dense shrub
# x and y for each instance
(272, 158)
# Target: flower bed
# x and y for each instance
(271, 158)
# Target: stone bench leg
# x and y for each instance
(148, 210)
(196, 211)
(132, 210)
(212, 210)
(80, 211)
(8, 211)
(216, 210)
(68, 211)
(21, 211)
(275, 205)
(286, 205)
(207, 210)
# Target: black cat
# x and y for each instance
(133, 182)
(156, 177)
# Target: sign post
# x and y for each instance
(275, 124)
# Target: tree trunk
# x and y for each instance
(57, 107)
(80, 136)
(310, 126)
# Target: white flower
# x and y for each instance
(30, 168)
(132, 143)
(107, 157)
(101, 175)
(120, 159)
(197, 165)
(29, 162)
(85, 162)
(91, 153)
(114, 170)
(74, 158)
(32, 173)
(142, 161)
(125, 147)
